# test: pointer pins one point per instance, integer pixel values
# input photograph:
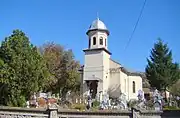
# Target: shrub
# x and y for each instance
(170, 108)
(149, 103)
(78, 106)
(132, 103)
(96, 104)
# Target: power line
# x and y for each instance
(130, 38)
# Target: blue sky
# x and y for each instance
(66, 21)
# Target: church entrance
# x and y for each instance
(92, 85)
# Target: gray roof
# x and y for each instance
(97, 24)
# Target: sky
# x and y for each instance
(65, 22)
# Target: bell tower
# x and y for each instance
(98, 34)
(96, 62)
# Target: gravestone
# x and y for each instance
(141, 99)
(140, 95)
(122, 102)
(100, 96)
(49, 95)
(157, 106)
(89, 100)
(27, 104)
(157, 100)
(105, 103)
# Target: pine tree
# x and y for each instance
(161, 71)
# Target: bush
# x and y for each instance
(96, 104)
(78, 106)
(170, 108)
(19, 101)
(132, 103)
(149, 103)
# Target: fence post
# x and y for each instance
(53, 112)
(135, 112)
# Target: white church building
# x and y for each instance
(100, 73)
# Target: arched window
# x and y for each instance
(94, 40)
(101, 41)
(125, 85)
(134, 87)
(89, 43)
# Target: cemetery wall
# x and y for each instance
(171, 114)
(14, 112)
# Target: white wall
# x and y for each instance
(114, 80)
(121, 82)
(114, 64)
(138, 86)
(93, 66)
(97, 64)
(106, 58)
(114, 85)
(124, 84)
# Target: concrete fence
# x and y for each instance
(13, 112)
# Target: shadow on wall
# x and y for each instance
(115, 91)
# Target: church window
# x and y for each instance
(89, 43)
(125, 85)
(101, 41)
(105, 42)
(94, 40)
(134, 87)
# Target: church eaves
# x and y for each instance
(96, 49)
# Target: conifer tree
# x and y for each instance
(161, 71)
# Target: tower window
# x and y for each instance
(94, 40)
(105, 42)
(89, 43)
(101, 41)
(134, 87)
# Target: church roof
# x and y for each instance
(128, 71)
(115, 61)
(98, 25)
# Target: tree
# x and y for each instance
(52, 54)
(63, 68)
(161, 71)
(175, 88)
(69, 78)
(23, 69)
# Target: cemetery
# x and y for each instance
(47, 105)
(103, 102)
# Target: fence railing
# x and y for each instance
(14, 112)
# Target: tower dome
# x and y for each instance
(98, 25)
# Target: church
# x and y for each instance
(100, 74)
